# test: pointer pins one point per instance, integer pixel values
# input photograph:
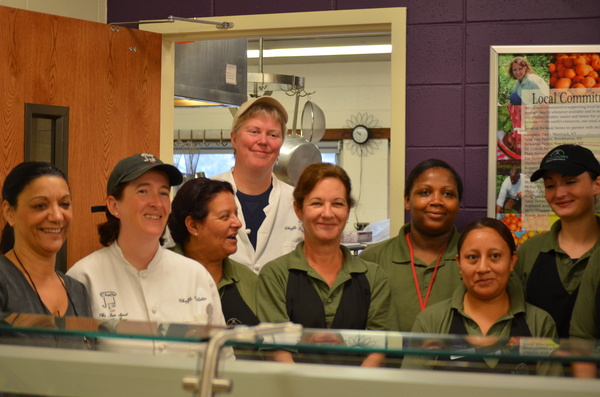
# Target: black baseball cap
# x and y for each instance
(133, 167)
(568, 160)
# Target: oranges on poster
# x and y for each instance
(578, 71)
(563, 83)
(512, 221)
(524, 236)
(588, 82)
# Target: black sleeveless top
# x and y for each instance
(597, 313)
(518, 327)
(235, 309)
(304, 306)
(545, 290)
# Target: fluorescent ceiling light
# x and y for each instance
(323, 51)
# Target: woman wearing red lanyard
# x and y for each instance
(489, 304)
(420, 261)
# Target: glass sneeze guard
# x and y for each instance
(21, 327)
(334, 348)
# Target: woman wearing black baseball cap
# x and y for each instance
(551, 264)
(133, 277)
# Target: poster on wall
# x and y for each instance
(540, 97)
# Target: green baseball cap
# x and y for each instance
(133, 167)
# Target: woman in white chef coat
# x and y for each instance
(270, 228)
(133, 277)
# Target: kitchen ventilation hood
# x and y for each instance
(213, 71)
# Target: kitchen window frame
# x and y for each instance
(392, 20)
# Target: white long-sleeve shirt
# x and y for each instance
(279, 233)
(507, 189)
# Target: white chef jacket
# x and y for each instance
(173, 289)
(279, 233)
(508, 190)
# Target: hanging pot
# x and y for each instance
(295, 154)
(313, 122)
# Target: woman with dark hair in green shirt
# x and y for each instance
(321, 284)
(204, 224)
(489, 303)
(420, 260)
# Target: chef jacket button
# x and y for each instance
(161, 347)
(329, 300)
(143, 274)
(154, 310)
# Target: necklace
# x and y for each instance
(36, 291)
(422, 304)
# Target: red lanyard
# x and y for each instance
(414, 271)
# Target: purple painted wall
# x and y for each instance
(447, 63)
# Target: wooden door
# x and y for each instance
(108, 77)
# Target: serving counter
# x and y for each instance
(31, 363)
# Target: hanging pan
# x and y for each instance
(313, 122)
(295, 154)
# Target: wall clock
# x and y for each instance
(360, 134)
(361, 126)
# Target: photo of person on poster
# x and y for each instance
(509, 197)
(518, 72)
(526, 79)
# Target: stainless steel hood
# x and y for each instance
(214, 71)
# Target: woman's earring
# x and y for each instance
(195, 233)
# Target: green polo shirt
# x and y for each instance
(244, 279)
(437, 319)
(393, 256)
(273, 279)
(584, 320)
(234, 272)
(569, 272)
